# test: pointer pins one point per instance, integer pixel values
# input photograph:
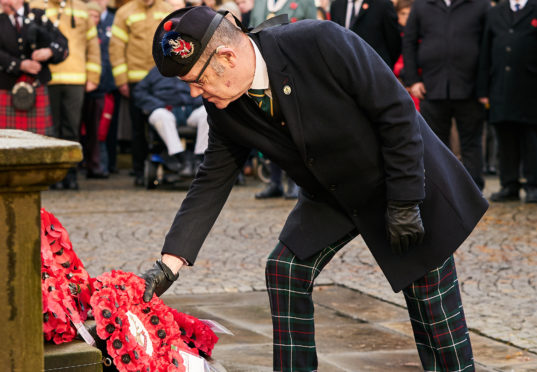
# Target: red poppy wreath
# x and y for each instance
(139, 336)
(65, 285)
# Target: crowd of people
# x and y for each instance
(468, 65)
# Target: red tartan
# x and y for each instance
(36, 120)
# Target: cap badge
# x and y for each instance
(172, 42)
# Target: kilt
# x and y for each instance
(37, 120)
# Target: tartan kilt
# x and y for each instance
(38, 119)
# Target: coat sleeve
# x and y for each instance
(93, 53)
(207, 195)
(410, 47)
(377, 92)
(118, 48)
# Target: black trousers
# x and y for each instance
(139, 142)
(91, 116)
(517, 149)
(66, 106)
(469, 116)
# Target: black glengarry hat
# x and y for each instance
(181, 38)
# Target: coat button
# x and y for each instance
(508, 49)
(311, 161)
(332, 187)
(507, 68)
(511, 31)
(287, 90)
(355, 212)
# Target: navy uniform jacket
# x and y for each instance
(352, 140)
(508, 64)
(376, 23)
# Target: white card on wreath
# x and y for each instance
(193, 363)
(216, 327)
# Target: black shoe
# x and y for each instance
(139, 181)
(240, 181)
(292, 190)
(531, 195)
(97, 175)
(187, 171)
(272, 190)
(57, 186)
(506, 194)
(70, 181)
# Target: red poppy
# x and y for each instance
(293, 5)
(534, 22)
(365, 6)
(293, 19)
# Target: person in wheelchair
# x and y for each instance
(168, 104)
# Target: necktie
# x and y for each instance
(262, 100)
(17, 23)
(517, 7)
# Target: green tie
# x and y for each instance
(263, 100)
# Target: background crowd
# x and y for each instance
(469, 65)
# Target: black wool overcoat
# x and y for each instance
(352, 140)
(376, 23)
(508, 64)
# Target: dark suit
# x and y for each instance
(508, 76)
(16, 47)
(376, 23)
(443, 43)
(351, 146)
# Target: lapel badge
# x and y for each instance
(365, 6)
(287, 90)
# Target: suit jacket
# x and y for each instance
(295, 9)
(352, 140)
(508, 64)
(34, 34)
(376, 23)
(444, 43)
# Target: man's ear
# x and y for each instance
(227, 55)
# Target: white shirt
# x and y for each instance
(19, 14)
(448, 2)
(521, 2)
(261, 80)
(357, 7)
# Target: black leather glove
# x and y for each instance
(404, 226)
(157, 280)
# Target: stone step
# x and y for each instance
(74, 356)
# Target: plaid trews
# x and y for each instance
(435, 309)
(289, 285)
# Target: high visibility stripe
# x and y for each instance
(135, 18)
(159, 15)
(120, 33)
(68, 78)
(77, 12)
(94, 67)
(137, 74)
(92, 32)
(119, 69)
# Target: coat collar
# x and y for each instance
(522, 13)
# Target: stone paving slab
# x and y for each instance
(115, 226)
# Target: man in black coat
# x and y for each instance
(507, 81)
(375, 21)
(334, 117)
(442, 39)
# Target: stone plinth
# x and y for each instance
(29, 163)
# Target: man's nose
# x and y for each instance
(195, 90)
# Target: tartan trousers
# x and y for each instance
(434, 307)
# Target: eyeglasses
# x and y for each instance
(198, 81)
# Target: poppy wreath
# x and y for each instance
(65, 284)
(139, 336)
(196, 334)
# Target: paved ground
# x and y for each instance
(115, 226)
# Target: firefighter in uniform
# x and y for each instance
(130, 45)
(80, 72)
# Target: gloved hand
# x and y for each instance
(157, 280)
(404, 226)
